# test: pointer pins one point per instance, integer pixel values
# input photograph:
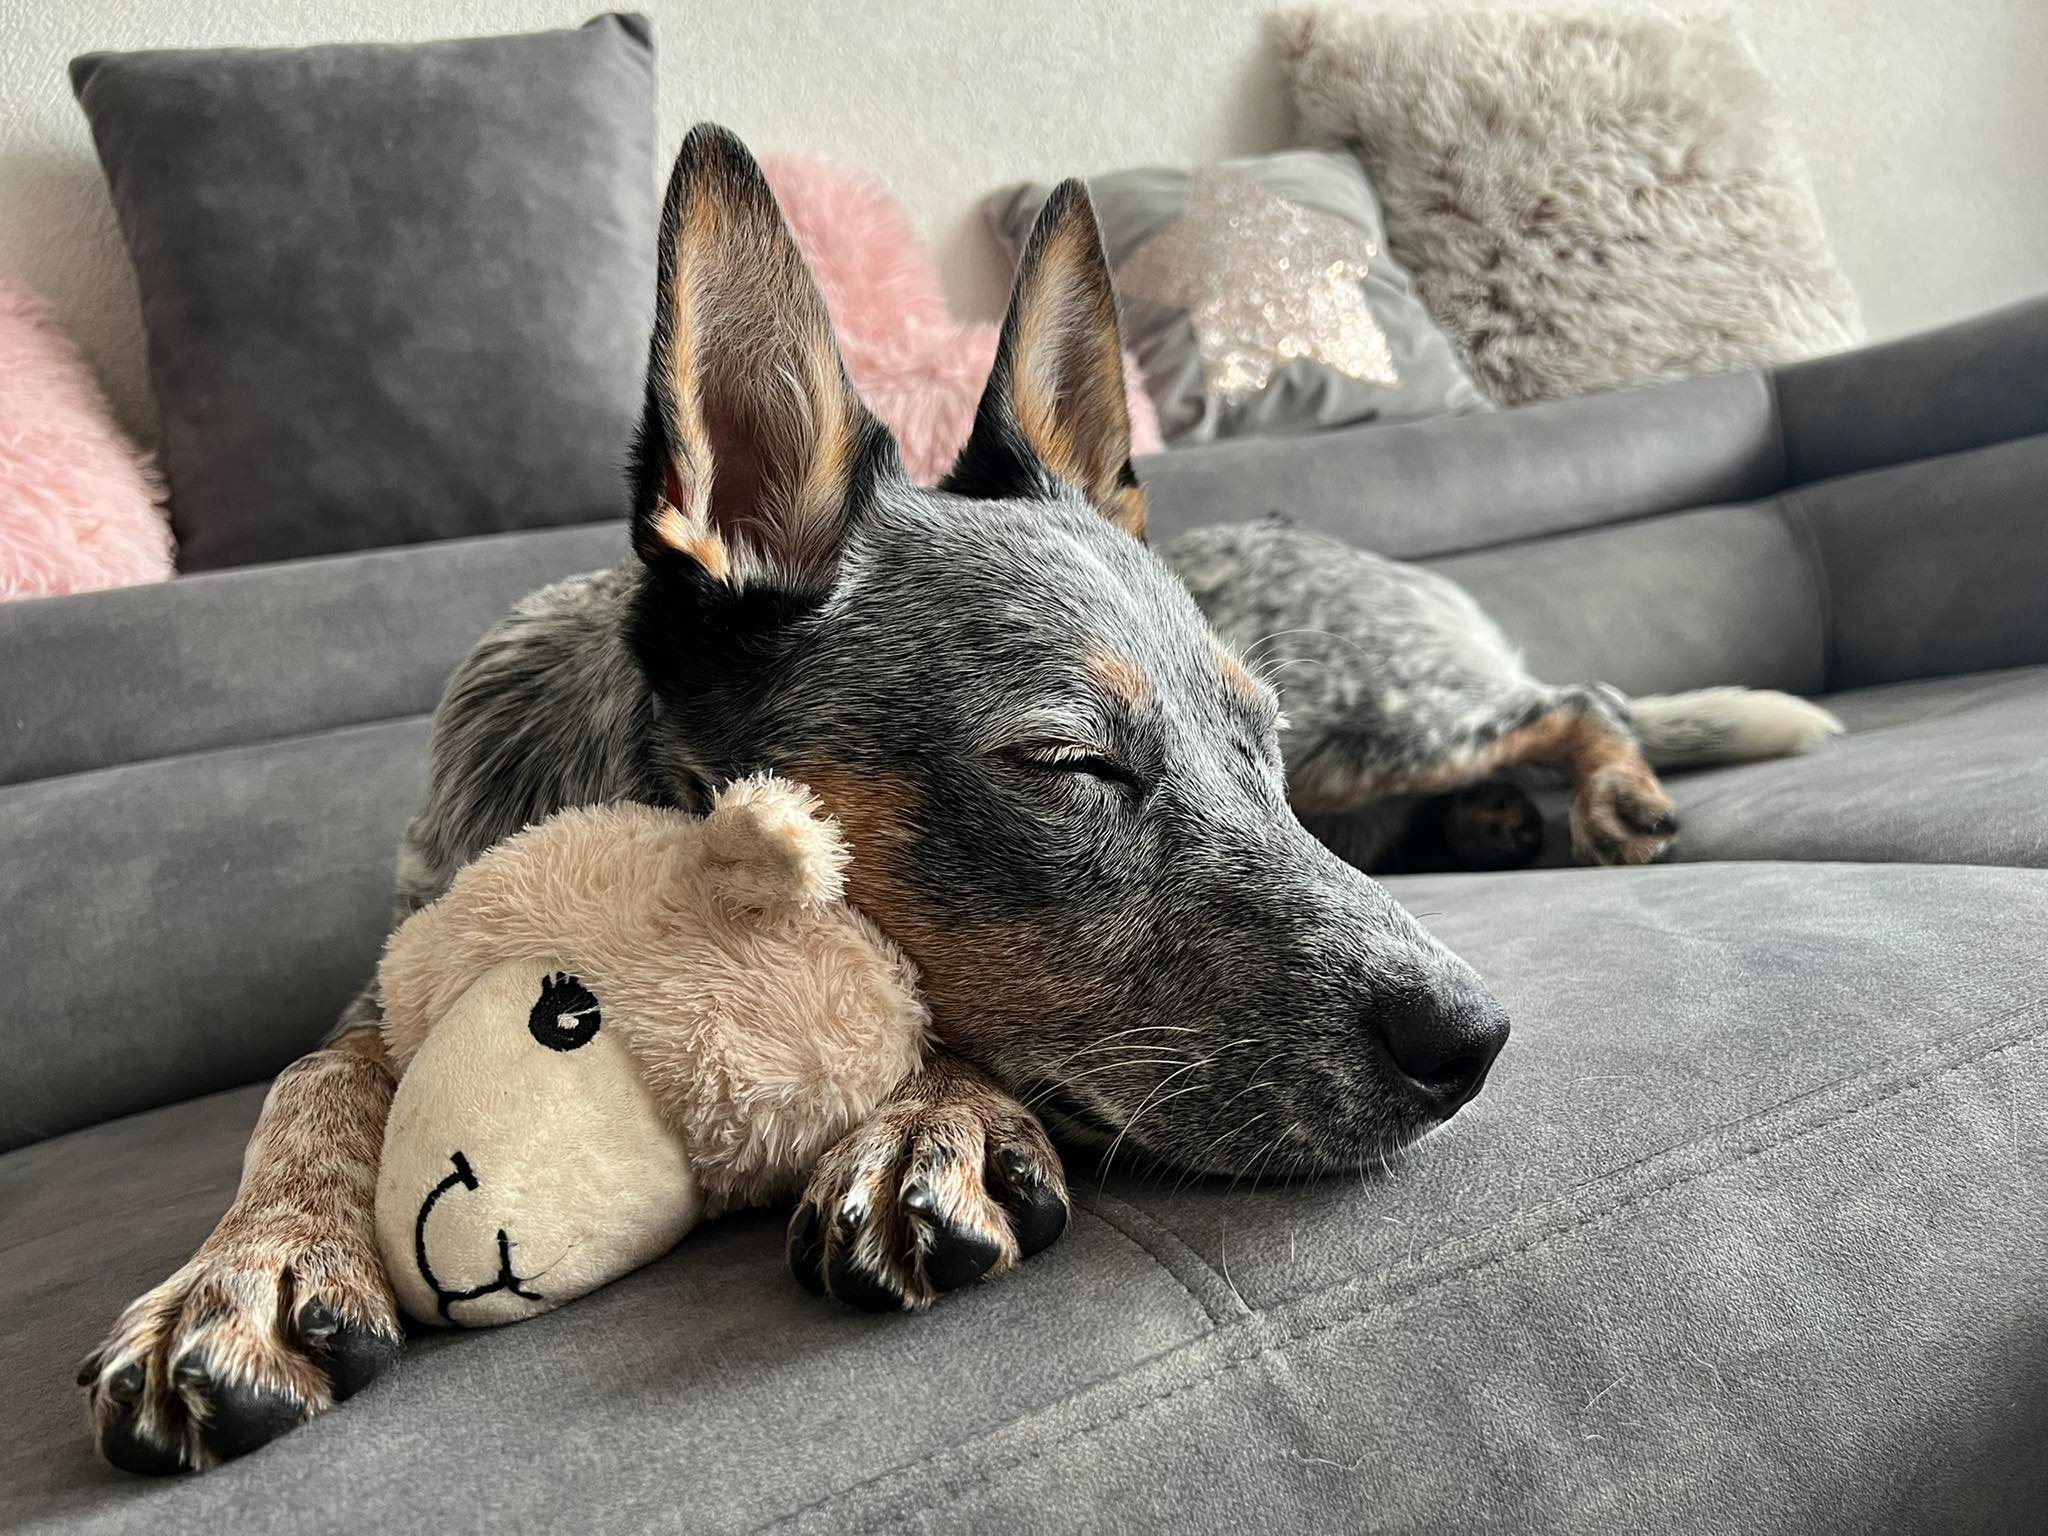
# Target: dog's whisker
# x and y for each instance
(1200, 1168)
(1320, 634)
(1177, 1093)
(1108, 1066)
(1096, 1046)
(1110, 1156)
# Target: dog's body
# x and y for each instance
(1065, 797)
(1410, 716)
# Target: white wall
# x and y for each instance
(1926, 120)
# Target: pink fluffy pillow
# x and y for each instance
(917, 370)
(78, 502)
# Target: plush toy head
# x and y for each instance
(613, 1024)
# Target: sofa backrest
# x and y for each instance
(202, 787)
(202, 784)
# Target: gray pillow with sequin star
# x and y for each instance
(1259, 298)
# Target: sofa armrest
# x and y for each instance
(1964, 386)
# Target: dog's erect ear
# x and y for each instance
(1054, 409)
(754, 449)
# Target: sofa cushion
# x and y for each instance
(709, 1392)
(1950, 770)
(1750, 1219)
(393, 292)
(181, 925)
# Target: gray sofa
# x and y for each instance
(1748, 1231)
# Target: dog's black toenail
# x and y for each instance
(246, 1416)
(316, 1322)
(125, 1385)
(89, 1369)
(357, 1356)
(125, 1448)
(852, 1284)
(806, 1249)
(1037, 1216)
(190, 1375)
(958, 1256)
(920, 1199)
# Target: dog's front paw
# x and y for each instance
(1621, 815)
(946, 1184)
(266, 1327)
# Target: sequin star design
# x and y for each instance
(1264, 281)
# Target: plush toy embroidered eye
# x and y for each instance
(566, 1015)
(617, 1022)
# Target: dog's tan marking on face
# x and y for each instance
(1120, 675)
(1235, 675)
(975, 976)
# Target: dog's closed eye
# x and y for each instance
(1068, 757)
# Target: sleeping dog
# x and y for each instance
(1066, 797)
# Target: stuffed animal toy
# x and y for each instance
(615, 1024)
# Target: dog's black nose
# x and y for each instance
(1442, 1042)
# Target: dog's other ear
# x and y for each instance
(754, 450)
(1054, 410)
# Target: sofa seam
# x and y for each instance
(218, 749)
(1453, 1276)
(1201, 1307)
(1777, 401)
(1216, 1320)
(1800, 526)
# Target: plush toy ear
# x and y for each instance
(769, 844)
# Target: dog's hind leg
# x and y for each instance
(285, 1308)
(1620, 812)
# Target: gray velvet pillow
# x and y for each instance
(393, 293)
(1258, 297)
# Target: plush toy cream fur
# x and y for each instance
(616, 1023)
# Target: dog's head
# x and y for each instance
(1064, 795)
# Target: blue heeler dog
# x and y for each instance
(1066, 795)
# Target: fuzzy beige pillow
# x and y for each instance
(1584, 202)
